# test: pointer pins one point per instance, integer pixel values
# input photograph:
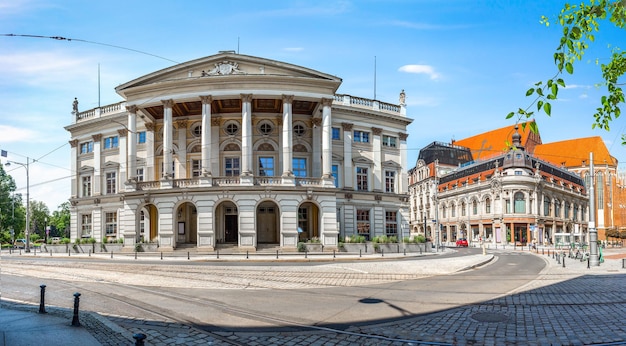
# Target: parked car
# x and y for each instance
(19, 244)
(462, 242)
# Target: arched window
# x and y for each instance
(520, 203)
(600, 190)
(474, 207)
(487, 206)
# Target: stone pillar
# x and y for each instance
(287, 138)
(246, 134)
(326, 143)
(183, 165)
(215, 149)
(73, 168)
(123, 135)
(97, 164)
(206, 135)
(402, 180)
(132, 142)
(149, 172)
(167, 138)
(279, 123)
(348, 170)
(317, 147)
(377, 151)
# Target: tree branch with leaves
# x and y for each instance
(580, 24)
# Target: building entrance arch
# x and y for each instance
(267, 227)
(227, 223)
(186, 227)
(148, 229)
(308, 221)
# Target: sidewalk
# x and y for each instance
(21, 324)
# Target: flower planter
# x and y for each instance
(314, 247)
(363, 248)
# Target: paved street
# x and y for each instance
(571, 305)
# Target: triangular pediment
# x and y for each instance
(227, 66)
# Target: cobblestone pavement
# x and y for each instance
(566, 305)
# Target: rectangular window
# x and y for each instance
(361, 179)
(546, 208)
(303, 220)
(85, 226)
(389, 141)
(299, 167)
(391, 223)
(266, 166)
(86, 147)
(173, 170)
(141, 137)
(336, 133)
(111, 142)
(508, 206)
(361, 136)
(363, 222)
(231, 167)
(142, 223)
(335, 174)
(111, 183)
(390, 181)
(453, 211)
(463, 209)
(140, 174)
(110, 223)
(86, 186)
(196, 168)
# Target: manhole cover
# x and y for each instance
(370, 301)
(490, 317)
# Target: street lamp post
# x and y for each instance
(26, 230)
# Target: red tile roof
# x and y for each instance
(572, 152)
(495, 142)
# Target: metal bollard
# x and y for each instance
(50, 253)
(42, 299)
(68, 252)
(359, 253)
(218, 254)
(161, 255)
(588, 264)
(334, 253)
(623, 263)
(246, 254)
(75, 321)
(135, 254)
(111, 253)
(563, 260)
(35, 251)
(139, 339)
(382, 253)
(276, 254)
(89, 252)
(187, 254)
(305, 253)
(404, 251)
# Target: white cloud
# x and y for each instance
(293, 49)
(420, 69)
(16, 134)
(36, 68)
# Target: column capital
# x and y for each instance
(149, 127)
(347, 126)
(206, 99)
(316, 121)
(215, 121)
(279, 121)
(180, 124)
(327, 102)
(288, 98)
(246, 97)
(74, 143)
(377, 131)
(132, 109)
(403, 136)
(122, 132)
(97, 138)
(168, 103)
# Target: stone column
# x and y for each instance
(206, 135)
(246, 134)
(403, 179)
(377, 151)
(326, 144)
(215, 149)
(122, 133)
(149, 172)
(279, 123)
(97, 164)
(167, 138)
(287, 139)
(348, 170)
(73, 164)
(132, 142)
(183, 165)
(317, 147)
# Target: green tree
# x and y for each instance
(39, 216)
(580, 24)
(60, 221)
(11, 216)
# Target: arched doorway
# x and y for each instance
(148, 229)
(267, 228)
(308, 221)
(227, 223)
(186, 216)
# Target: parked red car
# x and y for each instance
(461, 242)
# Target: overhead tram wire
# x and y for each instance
(61, 38)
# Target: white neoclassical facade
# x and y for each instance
(238, 150)
(510, 198)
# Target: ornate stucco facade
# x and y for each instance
(513, 197)
(238, 150)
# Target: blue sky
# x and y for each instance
(463, 64)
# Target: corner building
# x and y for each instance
(241, 151)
